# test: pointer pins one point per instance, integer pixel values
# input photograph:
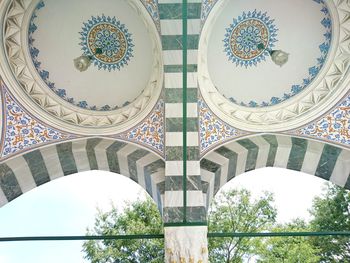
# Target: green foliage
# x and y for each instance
(140, 217)
(231, 211)
(288, 249)
(332, 213)
(235, 211)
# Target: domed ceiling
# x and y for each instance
(119, 43)
(239, 73)
(247, 75)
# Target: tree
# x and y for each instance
(140, 217)
(288, 249)
(232, 211)
(332, 213)
(235, 211)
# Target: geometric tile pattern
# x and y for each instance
(213, 131)
(23, 173)
(316, 158)
(150, 132)
(334, 127)
(22, 130)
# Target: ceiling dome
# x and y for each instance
(247, 75)
(238, 77)
(120, 45)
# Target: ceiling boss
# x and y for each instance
(250, 38)
(106, 43)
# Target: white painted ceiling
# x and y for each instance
(57, 38)
(299, 32)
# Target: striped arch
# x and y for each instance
(313, 157)
(23, 173)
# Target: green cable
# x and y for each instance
(184, 106)
(160, 236)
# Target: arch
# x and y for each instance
(23, 173)
(323, 160)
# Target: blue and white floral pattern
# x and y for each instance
(150, 132)
(152, 8)
(334, 127)
(313, 71)
(213, 131)
(107, 41)
(23, 131)
(45, 75)
(244, 35)
(207, 6)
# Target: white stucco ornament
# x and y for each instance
(279, 57)
(22, 77)
(186, 244)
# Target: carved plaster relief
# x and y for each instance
(24, 79)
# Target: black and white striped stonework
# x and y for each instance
(171, 34)
(23, 173)
(313, 157)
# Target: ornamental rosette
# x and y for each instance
(107, 42)
(244, 37)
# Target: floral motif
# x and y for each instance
(107, 42)
(207, 6)
(151, 131)
(45, 75)
(333, 127)
(152, 8)
(312, 71)
(244, 35)
(213, 131)
(24, 131)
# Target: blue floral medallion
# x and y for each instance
(248, 38)
(107, 42)
(249, 28)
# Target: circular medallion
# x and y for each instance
(107, 42)
(249, 38)
(246, 37)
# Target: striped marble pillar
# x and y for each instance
(184, 214)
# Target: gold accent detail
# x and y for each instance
(169, 251)
(119, 36)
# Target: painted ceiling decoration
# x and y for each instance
(107, 41)
(23, 131)
(103, 39)
(333, 127)
(152, 8)
(81, 102)
(213, 131)
(125, 112)
(263, 97)
(245, 34)
(150, 132)
(254, 28)
(207, 6)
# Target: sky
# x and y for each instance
(67, 206)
